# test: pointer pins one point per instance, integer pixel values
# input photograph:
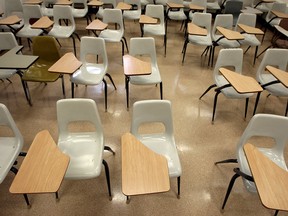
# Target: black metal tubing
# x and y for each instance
(107, 178)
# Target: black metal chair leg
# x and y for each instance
(246, 107)
(27, 200)
(63, 85)
(107, 178)
(286, 108)
(56, 195)
(107, 148)
(234, 177)
(207, 90)
(178, 186)
(255, 55)
(111, 80)
(127, 91)
(161, 91)
(165, 44)
(276, 213)
(215, 104)
(184, 50)
(125, 41)
(105, 94)
(72, 89)
(226, 161)
(74, 45)
(256, 102)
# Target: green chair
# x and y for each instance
(46, 48)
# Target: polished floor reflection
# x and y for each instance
(199, 143)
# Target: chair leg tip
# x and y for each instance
(178, 196)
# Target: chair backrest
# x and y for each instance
(31, 12)
(7, 41)
(149, 111)
(93, 46)
(274, 57)
(62, 12)
(12, 145)
(156, 11)
(247, 19)
(13, 7)
(46, 48)
(277, 6)
(144, 46)
(268, 126)
(223, 20)
(203, 20)
(77, 110)
(114, 16)
(228, 58)
(233, 7)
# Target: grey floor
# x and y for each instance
(199, 143)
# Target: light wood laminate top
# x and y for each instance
(95, 3)
(143, 170)
(135, 67)
(123, 6)
(144, 19)
(194, 29)
(10, 20)
(33, 2)
(196, 7)
(43, 168)
(280, 14)
(270, 179)
(174, 5)
(12, 60)
(242, 84)
(230, 34)
(42, 23)
(97, 25)
(63, 2)
(280, 75)
(67, 64)
(250, 30)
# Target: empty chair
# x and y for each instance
(106, 4)
(30, 12)
(10, 145)
(260, 5)
(156, 11)
(201, 3)
(233, 7)
(80, 9)
(144, 46)
(277, 58)
(114, 16)
(13, 7)
(59, 31)
(227, 58)
(213, 6)
(135, 12)
(203, 20)
(226, 21)
(46, 48)
(175, 13)
(272, 130)
(162, 142)
(84, 146)
(249, 39)
(92, 73)
(47, 7)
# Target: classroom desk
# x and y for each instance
(143, 170)
(9, 21)
(43, 23)
(134, 67)
(42, 169)
(270, 179)
(33, 2)
(63, 2)
(67, 64)
(144, 19)
(250, 30)
(95, 3)
(123, 6)
(195, 7)
(194, 29)
(96, 25)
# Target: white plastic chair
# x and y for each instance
(225, 21)
(201, 3)
(92, 73)
(227, 58)
(85, 149)
(47, 7)
(203, 20)
(250, 39)
(144, 46)
(60, 13)
(82, 11)
(106, 4)
(156, 11)
(172, 14)
(158, 111)
(277, 58)
(213, 6)
(114, 35)
(271, 127)
(135, 12)
(233, 7)
(30, 12)
(11, 145)
(259, 5)
(13, 7)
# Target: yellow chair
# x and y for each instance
(46, 48)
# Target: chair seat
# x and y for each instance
(89, 74)
(250, 40)
(158, 143)
(154, 29)
(81, 148)
(29, 32)
(4, 74)
(177, 15)
(153, 78)
(79, 13)
(61, 31)
(200, 40)
(8, 154)
(213, 6)
(275, 89)
(111, 35)
(132, 14)
(38, 72)
(225, 43)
